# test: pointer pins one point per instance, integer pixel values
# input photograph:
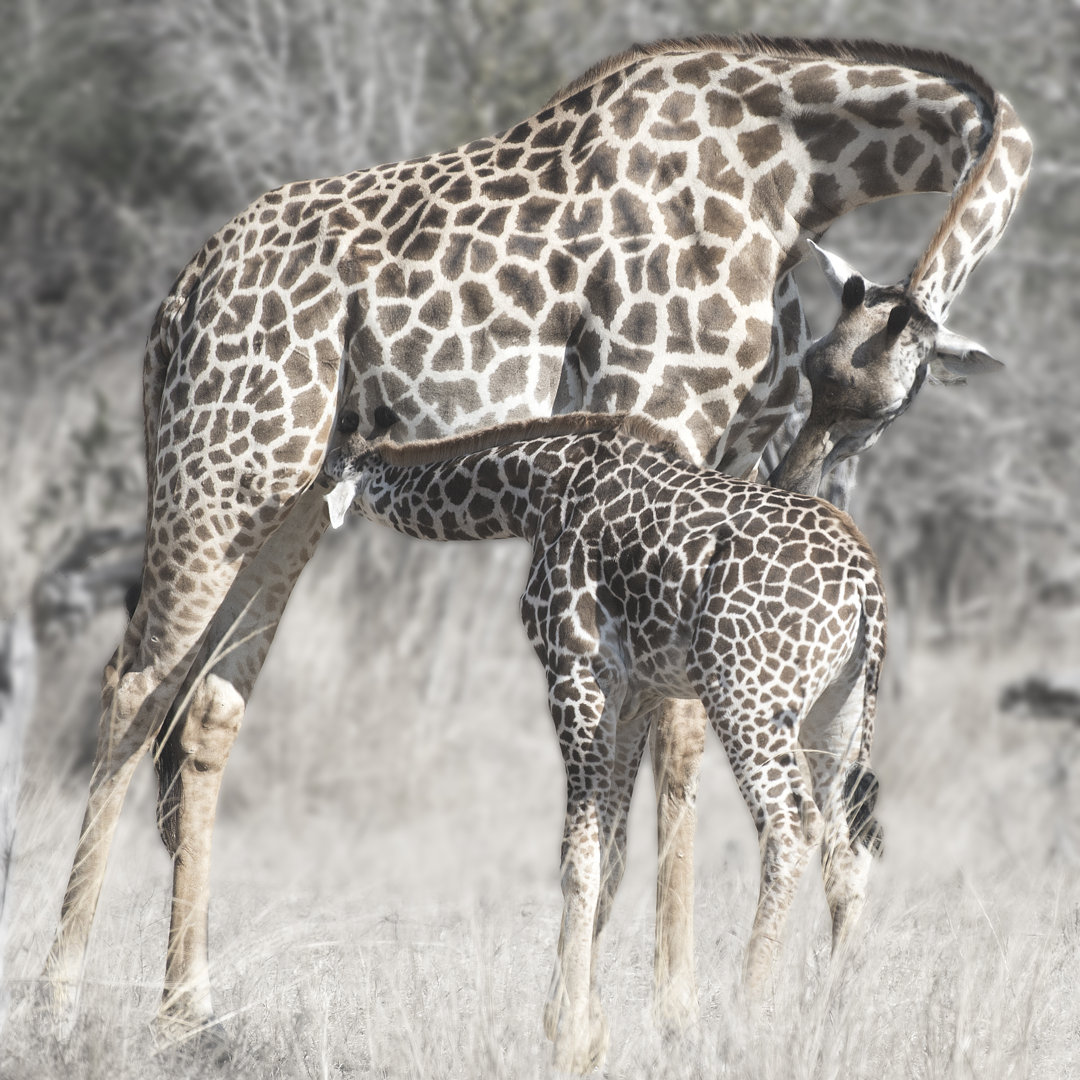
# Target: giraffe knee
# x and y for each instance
(214, 717)
(811, 821)
(126, 722)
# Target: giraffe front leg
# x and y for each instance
(677, 744)
(573, 1018)
(612, 811)
(191, 758)
(631, 736)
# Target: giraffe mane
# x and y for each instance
(431, 451)
(928, 61)
(959, 199)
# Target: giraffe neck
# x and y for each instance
(802, 131)
(493, 484)
(978, 212)
(490, 494)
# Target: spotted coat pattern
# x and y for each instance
(652, 578)
(626, 248)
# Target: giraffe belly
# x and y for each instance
(657, 670)
(645, 695)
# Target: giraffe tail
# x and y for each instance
(860, 798)
(168, 758)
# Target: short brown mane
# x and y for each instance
(430, 451)
(929, 61)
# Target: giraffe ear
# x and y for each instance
(956, 357)
(841, 276)
(339, 499)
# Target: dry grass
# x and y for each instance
(386, 898)
(385, 885)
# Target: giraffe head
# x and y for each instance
(867, 370)
(344, 465)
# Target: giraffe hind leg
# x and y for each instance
(193, 752)
(789, 828)
(771, 778)
(139, 685)
(185, 581)
(845, 789)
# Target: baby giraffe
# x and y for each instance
(652, 578)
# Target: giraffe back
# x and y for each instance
(633, 546)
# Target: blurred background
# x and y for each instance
(400, 704)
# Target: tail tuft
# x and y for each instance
(168, 758)
(860, 798)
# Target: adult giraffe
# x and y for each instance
(625, 249)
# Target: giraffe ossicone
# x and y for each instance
(654, 578)
(629, 247)
(952, 354)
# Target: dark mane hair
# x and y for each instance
(430, 451)
(930, 61)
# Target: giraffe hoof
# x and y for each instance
(575, 1052)
(675, 1012)
(204, 1039)
(578, 1061)
(53, 1005)
(551, 1021)
(600, 1039)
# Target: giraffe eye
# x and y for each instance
(348, 422)
(854, 291)
(898, 319)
